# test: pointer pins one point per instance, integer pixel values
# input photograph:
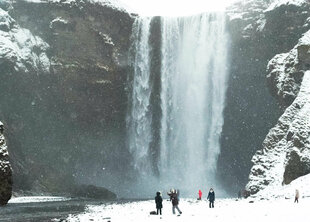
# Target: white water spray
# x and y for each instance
(193, 86)
(194, 72)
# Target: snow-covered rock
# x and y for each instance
(247, 17)
(257, 35)
(5, 170)
(285, 155)
(279, 3)
(117, 5)
(302, 184)
(285, 70)
(20, 49)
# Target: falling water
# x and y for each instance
(193, 75)
(139, 117)
(193, 86)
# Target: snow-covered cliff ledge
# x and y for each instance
(5, 170)
(20, 50)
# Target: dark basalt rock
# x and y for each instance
(296, 166)
(93, 192)
(63, 89)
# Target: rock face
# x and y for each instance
(285, 155)
(63, 84)
(259, 30)
(63, 88)
(94, 192)
(285, 71)
(5, 170)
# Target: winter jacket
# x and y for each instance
(159, 201)
(200, 193)
(211, 196)
(174, 198)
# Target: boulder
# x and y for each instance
(93, 192)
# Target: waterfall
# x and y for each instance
(193, 75)
(192, 96)
(139, 117)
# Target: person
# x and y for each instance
(211, 198)
(159, 202)
(296, 196)
(199, 195)
(173, 194)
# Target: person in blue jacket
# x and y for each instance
(211, 198)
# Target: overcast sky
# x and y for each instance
(175, 7)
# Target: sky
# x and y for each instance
(175, 7)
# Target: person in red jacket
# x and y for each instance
(199, 194)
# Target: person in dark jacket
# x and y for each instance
(174, 198)
(211, 198)
(159, 202)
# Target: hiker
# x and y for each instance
(199, 195)
(175, 201)
(211, 198)
(159, 202)
(296, 196)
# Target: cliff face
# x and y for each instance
(63, 79)
(63, 89)
(5, 170)
(259, 30)
(285, 154)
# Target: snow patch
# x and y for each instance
(35, 199)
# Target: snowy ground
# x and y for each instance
(225, 210)
(35, 199)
